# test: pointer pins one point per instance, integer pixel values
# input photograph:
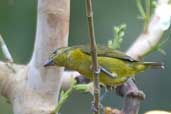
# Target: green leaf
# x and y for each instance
(119, 33)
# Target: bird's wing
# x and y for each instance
(106, 52)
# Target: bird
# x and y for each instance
(115, 66)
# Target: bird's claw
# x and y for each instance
(97, 71)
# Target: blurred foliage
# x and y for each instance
(18, 26)
(145, 8)
(119, 33)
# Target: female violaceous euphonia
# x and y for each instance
(116, 67)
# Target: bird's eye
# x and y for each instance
(54, 52)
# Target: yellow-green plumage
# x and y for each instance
(119, 64)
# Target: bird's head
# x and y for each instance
(58, 57)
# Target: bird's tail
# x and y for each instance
(155, 65)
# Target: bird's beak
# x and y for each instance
(49, 63)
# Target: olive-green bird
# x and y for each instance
(116, 67)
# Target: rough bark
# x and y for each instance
(33, 89)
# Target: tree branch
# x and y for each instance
(32, 89)
(5, 50)
(5, 78)
(95, 69)
(52, 33)
(142, 46)
(144, 43)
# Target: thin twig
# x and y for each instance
(64, 97)
(6, 54)
(95, 69)
(141, 9)
(5, 50)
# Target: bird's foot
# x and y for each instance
(96, 72)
